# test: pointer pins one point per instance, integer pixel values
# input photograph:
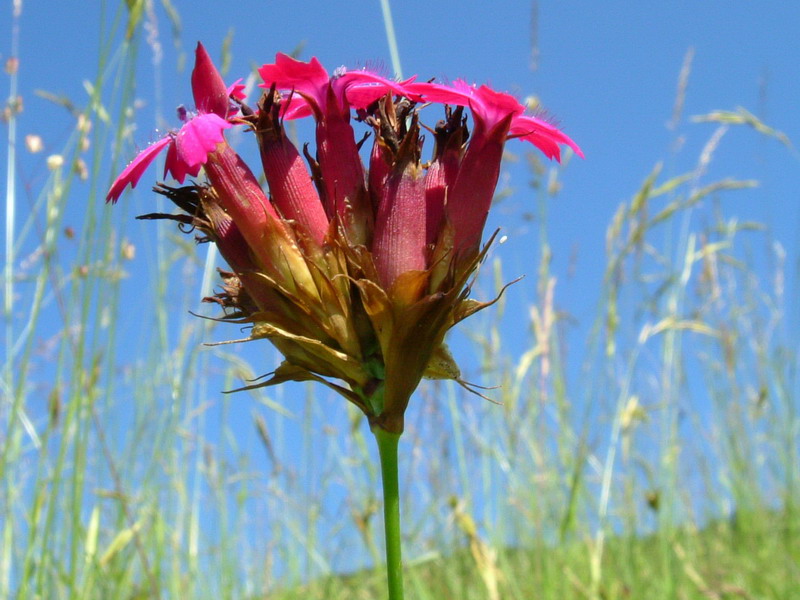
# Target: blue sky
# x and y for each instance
(607, 72)
(608, 75)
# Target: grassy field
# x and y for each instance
(724, 559)
(658, 460)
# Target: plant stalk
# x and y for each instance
(387, 447)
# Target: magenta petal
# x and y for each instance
(198, 137)
(487, 105)
(311, 82)
(458, 94)
(133, 172)
(178, 168)
(210, 93)
(490, 107)
(236, 90)
(362, 88)
(543, 135)
(495, 106)
(294, 106)
(288, 72)
(309, 79)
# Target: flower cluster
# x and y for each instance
(354, 274)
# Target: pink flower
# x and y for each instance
(189, 147)
(490, 107)
(320, 93)
(309, 90)
(497, 117)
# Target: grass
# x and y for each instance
(720, 560)
(657, 457)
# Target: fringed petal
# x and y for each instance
(133, 172)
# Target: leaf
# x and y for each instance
(291, 372)
(670, 185)
(59, 100)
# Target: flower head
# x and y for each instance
(355, 275)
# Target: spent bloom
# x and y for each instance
(354, 273)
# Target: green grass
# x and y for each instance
(725, 559)
(664, 467)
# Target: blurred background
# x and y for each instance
(646, 440)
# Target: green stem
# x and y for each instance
(387, 447)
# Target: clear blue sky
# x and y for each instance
(607, 72)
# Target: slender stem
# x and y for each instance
(387, 447)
